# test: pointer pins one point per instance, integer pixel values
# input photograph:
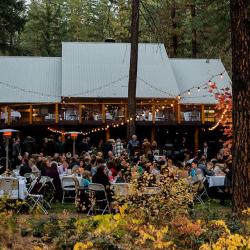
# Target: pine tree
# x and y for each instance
(45, 28)
(12, 20)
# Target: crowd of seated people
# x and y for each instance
(121, 162)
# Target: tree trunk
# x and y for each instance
(240, 29)
(174, 25)
(133, 68)
(194, 33)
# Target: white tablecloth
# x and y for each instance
(22, 190)
(216, 181)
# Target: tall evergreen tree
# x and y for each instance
(12, 20)
(240, 21)
(45, 28)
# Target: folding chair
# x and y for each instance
(46, 185)
(121, 189)
(9, 187)
(34, 200)
(75, 168)
(203, 192)
(69, 184)
(200, 190)
(96, 189)
(44, 180)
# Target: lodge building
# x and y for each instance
(87, 87)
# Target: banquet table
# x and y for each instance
(216, 181)
(22, 189)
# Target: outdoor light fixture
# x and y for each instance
(73, 135)
(7, 134)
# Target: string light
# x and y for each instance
(220, 120)
(49, 96)
(95, 130)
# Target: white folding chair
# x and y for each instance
(9, 188)
(200, 190)
(69, 184)
(74, 169)
(34, 200)
(97, 189)
(156, 152)
(29, 177)
(121, 189)
(44, 180)
(151, 190)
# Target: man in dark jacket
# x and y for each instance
(16, 151)
(133, 144)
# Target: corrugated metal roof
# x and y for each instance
(35, 75)
(195, 72)
(102, 69)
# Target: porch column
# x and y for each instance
(153, 133)
(8, 115)
(56, 113)
(80, 113)
(125, 112)
(107, 133)
(153, 114)
(196, 140)
(178, 113)
(202, 114)
(103, 113)
(30, 114)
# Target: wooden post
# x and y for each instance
(125, 112)
(30, 114)
(202, 114)
(107, 134)
(196, 140)
(153, 114)
(80, 113)
(56, 113)
(8, 115)
(103, 113)
(133, 67)
(178, 113)
(153, 133)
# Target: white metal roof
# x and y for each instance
(31, 77)
(102, 69)
(196, 72)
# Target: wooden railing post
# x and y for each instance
(80, 113)
(196, 140)
(125, 112)
(178, 113)
(103, 113)
(202, 114)
(56, 113)
(153, 114)
(30, 114)
(8, 115)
